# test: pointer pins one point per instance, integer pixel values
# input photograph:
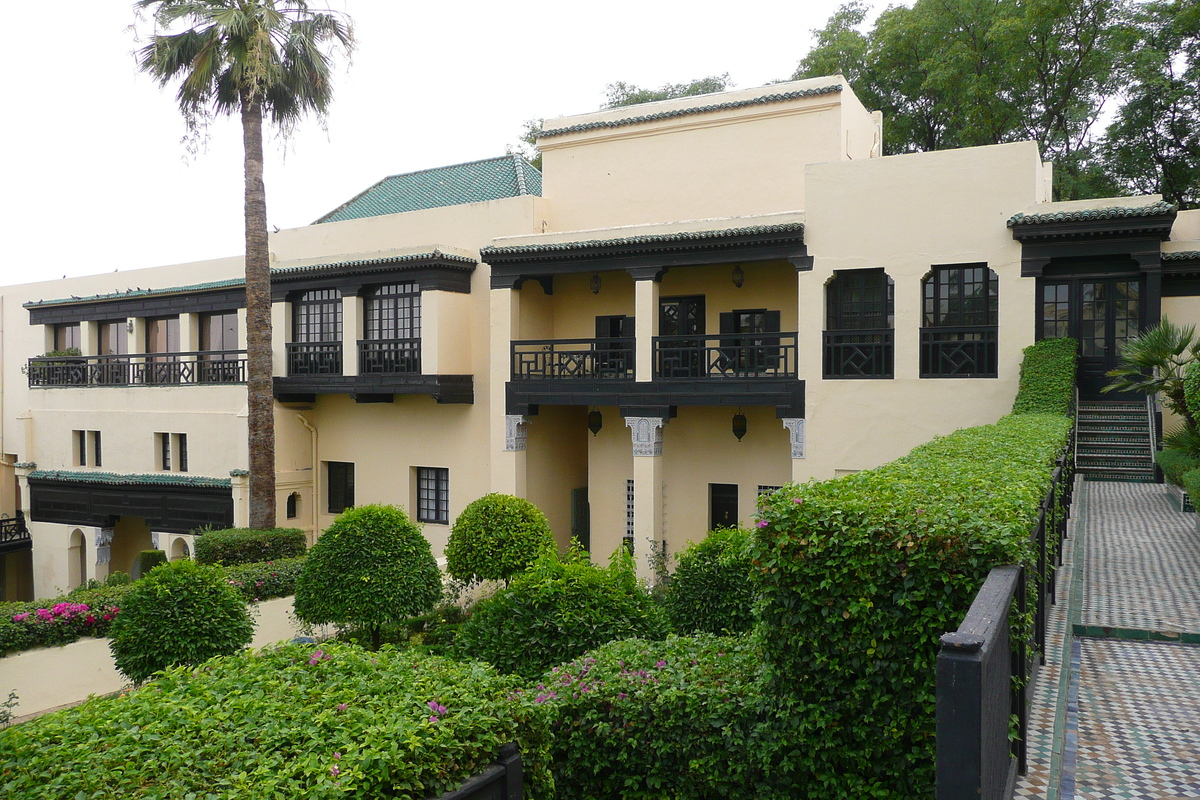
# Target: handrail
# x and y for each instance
(139, 369)
(1151, 426)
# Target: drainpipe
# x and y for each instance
(316, 468)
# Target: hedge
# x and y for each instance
(711, 590)
(1175, 463)
(638, 719)
(1047, 377)
(266, 580)
(295, 721)
(1191, 484)
(234, 546)
(859, 578)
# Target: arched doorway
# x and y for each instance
(131, 535)
(77, 559)
(180, 549)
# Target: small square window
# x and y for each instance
(97, 455)
(340, 476)
(164, 451)
(433, 495)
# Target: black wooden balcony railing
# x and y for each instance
(314, 358)
(741, 355)
(967, 352)
(573, 359)
(389, 356)
(859, 353)
(14, 535)
(141, 369)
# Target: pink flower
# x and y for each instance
(317, 657)
(661, 664)
(762, 523)
(334, 770)
(337, 756)
(20, 617)
(433, 718)
(797, 500)
(341, 706)
(436, 707)
(90, 620)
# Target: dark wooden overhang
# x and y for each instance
(169, 507)
(434, 270)
(646, 256)
(200, 299)
(1181, 274)
(786, 394)
(376, 388)
(1135, 232)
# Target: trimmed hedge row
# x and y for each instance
(295, 721)
(234, 546)
(637, 719)
(1175, 463)
(861, 575)
(1047, 377)
(266, 580)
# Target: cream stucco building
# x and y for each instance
(700, 300)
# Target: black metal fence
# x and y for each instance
(967, 352)
(389, 356)
(14, 535)
(504, 780)
(739, 355)
(314, 358)
(142, 369)
(984, 671)
(859, 354)
(573, 359)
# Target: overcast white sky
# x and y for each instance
(96, 179)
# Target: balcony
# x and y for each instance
(573, 359)
(314, 358)
(211, 367)
(867, 353)
(389, 357)
(386, 368)
(14, 535)
(966, 352)
(725, 356)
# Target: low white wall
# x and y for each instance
(50, 677)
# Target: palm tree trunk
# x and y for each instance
(260, 397)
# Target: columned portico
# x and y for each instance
(647, 435)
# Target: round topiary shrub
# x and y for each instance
(181, 613)
(497, 537)
(558, 610)
(711, 590)
(370, 568)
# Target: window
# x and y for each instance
(67, 336)
(220, 362)
(958, 333)
(97, 460)
(293, 505)
(433, 495)
(162, 336)
(340, 480)
(164, 450)
(764, 491)
(112, 340)
(172, 451)
(86, 446)
(181, 453)
(860, 316)
(1056, 310)
(393, 311)
(629, 525)
(317, 316)
(81, 448)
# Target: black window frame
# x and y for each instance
(68, 336)
(339, 486)
(392, 311)
(960, 314)
(433, 495)
(317, 316)
(859, 341)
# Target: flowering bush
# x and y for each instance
(265, 580)
(26, 625)
(288, 722)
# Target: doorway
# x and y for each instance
(676, 355)
(722, 505)
(1102, 313)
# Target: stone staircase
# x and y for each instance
(1114, 442)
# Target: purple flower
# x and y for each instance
(661, 664)
(317, 657)
(337, 756)
(798, 500)
(436, 707)
(433, 718)
(341, 706)
(334, 770)
(621, 695)
(762, 523)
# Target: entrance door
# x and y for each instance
(723, 505)
(1102, 313)
(679, 317)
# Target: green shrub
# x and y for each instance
(289, 722)
(181, 613)
(861, 575)
(248, 546)
(712, 590)
(637, 719)
(60, 620)
(1191, 484)
(497, 537)
(1191, 388)
(268, 579)
(1175, 463)
(148, 560)
(118, 579)
(1047, 377)
(371, 568)
(558, 610)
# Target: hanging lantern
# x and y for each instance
(739, 277)
(595, 422)
(739, 425)
(595, 284)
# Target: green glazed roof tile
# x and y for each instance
(1085, 214)
(152, 479)
(1182, 255)
(663, 238)
(377, 262)
(232, 283)
(473, 182)
(779, 97)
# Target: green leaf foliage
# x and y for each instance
(860, 576)
(1191, 484)
(23, 628)
(181, 613)
(712, 590)
(149, 559)
(1154, 361)
(496, 537)
(247, 545)
(557, 611)
(371, 567)
(1175, 463)
(1047, 377)
(638, 720)
(265, 580)
(1191, 388)
(292, 722)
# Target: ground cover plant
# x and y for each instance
(557, 610)
(711, 590)
(181, 613)
(639, 719)
(495, 538)
(297, 721)
(233, 546)
(371, 568)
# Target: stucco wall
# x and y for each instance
(556, 463)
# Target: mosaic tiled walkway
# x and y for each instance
(1125, 723)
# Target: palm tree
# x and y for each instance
(1154, 362)
(253, 58)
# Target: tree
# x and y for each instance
(496, 537)
(1154, 362)
(250, 58)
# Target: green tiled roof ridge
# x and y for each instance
(661, 238)
(495, 178)
(1181, 255)
(778, 97)
(382, 260)
(1084, 214)
(145, 479)
(231, 283)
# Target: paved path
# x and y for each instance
(1124, 720)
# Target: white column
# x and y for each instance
(645, 304)
(281, 334)
(647, 435)
(89, 334)
(516, 437)
(352, 308)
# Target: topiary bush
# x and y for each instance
(181, 613)
(148, 560)
(371, 567)
(294, 722)
(234, 546)
(497, 537)
(558, 610)
(712, 590)
(1047, 377)
(1191, 484)
(637, 719)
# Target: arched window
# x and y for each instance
(293, 505)
(959, 323)
(859, 322)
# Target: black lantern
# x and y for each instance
(739, 425)
(595, 422)
(595, 284)
(739, 277)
